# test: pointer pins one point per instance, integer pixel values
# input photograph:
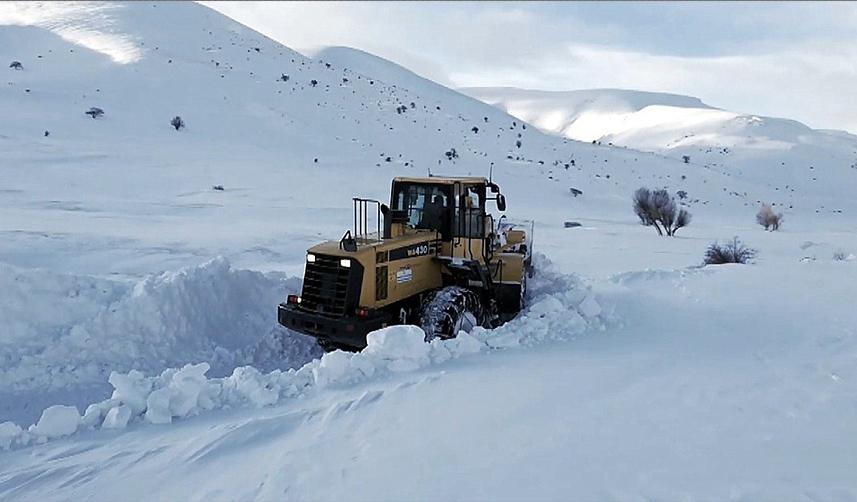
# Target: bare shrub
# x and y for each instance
(658, 209)
(768, 219)
(177, 123)
(16, 65)
(840, 255)
(733, 251)
(94, 112)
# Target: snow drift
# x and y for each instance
(561, 308)
(83, 328)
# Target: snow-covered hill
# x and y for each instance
(118, 257)
(274, 145)
(784, 156)
(764, 149)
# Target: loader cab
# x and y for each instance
(454, 208)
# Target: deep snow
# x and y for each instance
(145, 300)
(751, 406)
(64, 347)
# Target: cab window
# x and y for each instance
(469, 211)
(427, 206)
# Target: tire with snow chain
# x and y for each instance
(450, 310)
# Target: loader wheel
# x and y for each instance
(450, 310)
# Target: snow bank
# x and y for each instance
(82, 328)
(561, 308)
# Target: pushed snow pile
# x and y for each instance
(9, 433)
(562, 308)
(57, 421)
(82, 328)
(402, 347)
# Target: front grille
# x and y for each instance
(325, 286)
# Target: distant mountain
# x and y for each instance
(583, 115)
(759, 148)
(647, 119)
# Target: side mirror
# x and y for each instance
(501, 202)
(385, 209)
(493, 187)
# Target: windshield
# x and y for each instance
(426, 205)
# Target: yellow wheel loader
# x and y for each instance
(436, 258)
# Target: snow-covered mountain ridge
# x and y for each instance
(753, 146)
(780, 154)
(606, 114)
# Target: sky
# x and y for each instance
(785, 59)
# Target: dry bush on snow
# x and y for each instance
(840, 255)
(768, 219)
(658, 209)
(177, 122)
(731, 252)
(94, 112)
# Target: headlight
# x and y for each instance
(310, 258)
(345, 262)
